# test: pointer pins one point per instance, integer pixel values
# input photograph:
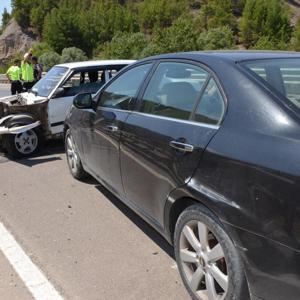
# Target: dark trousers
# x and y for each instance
(27, 85)
(16, 87)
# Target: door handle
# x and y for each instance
(112, 128)
(181, 146)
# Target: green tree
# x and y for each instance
(216, 13)
(181, 36)
(295, 41)
(38, 13)
(216, 38)
(72, 54)
(238, 6)
(38, 49)
(103, 20)
(5, 18)
(159, 14)
(265, 19)
(62, 29)
(21, 11)
(124, 45)
(49, 59)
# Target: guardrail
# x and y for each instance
(3, 78)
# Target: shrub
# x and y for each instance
(72, 54)
(38, 49)
(49, 59)
(125, 46)
(216, 38)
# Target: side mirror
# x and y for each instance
(83, 101)
(59, 92)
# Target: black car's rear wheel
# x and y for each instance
(208, 262)
(73, 158)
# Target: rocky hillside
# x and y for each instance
(14, 40)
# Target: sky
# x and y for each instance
(4, 3)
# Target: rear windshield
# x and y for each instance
(282, 74)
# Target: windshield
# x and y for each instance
(46, 85)
(282, 74)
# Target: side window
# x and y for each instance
(211, 107)
(174, 90)
(87, 81)
(122, 91)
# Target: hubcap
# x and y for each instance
(26, 142)
(71, 154)
(203, 262)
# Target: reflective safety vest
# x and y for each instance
(27, 71)
(14, 73)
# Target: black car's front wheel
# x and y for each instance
(207, 260)
(73, 158)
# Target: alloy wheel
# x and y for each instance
(203, 262)
(26, 142)
(72, 154)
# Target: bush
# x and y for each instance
(265, 19)
(124, 46)
(38, 49)
(181, 36)
(159, 14)
(49, 59)
(217, 13)
(72, 54)
(216, 38)
(264, 43)
(295, 41)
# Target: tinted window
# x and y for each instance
(123, 90)
(211, 107)
(281, 74)
(174, 90)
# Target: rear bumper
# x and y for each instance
(272, 269)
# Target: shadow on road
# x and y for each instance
(138, 221)
(49, 148)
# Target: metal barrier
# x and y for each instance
(3, 79)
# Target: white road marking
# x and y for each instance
(31, 275)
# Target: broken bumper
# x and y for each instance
(16, 129)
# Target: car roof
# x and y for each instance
(234, 56)
(95, 63)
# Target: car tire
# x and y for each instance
(73, 159)
(210, 266)
(24, 144)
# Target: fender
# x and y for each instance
(15, 124)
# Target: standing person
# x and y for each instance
(27, 72)
(37, 69)
(14, 76)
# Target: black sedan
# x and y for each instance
(205, 146)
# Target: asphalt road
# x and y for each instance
(85, 241)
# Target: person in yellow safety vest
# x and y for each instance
(14, 76)
(27, 72)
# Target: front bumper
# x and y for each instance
(16, 129)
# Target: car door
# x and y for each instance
(100, 139)
(161, 144)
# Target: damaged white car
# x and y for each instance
(29, 118)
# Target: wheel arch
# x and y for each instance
(176, 203)
(19, 119)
